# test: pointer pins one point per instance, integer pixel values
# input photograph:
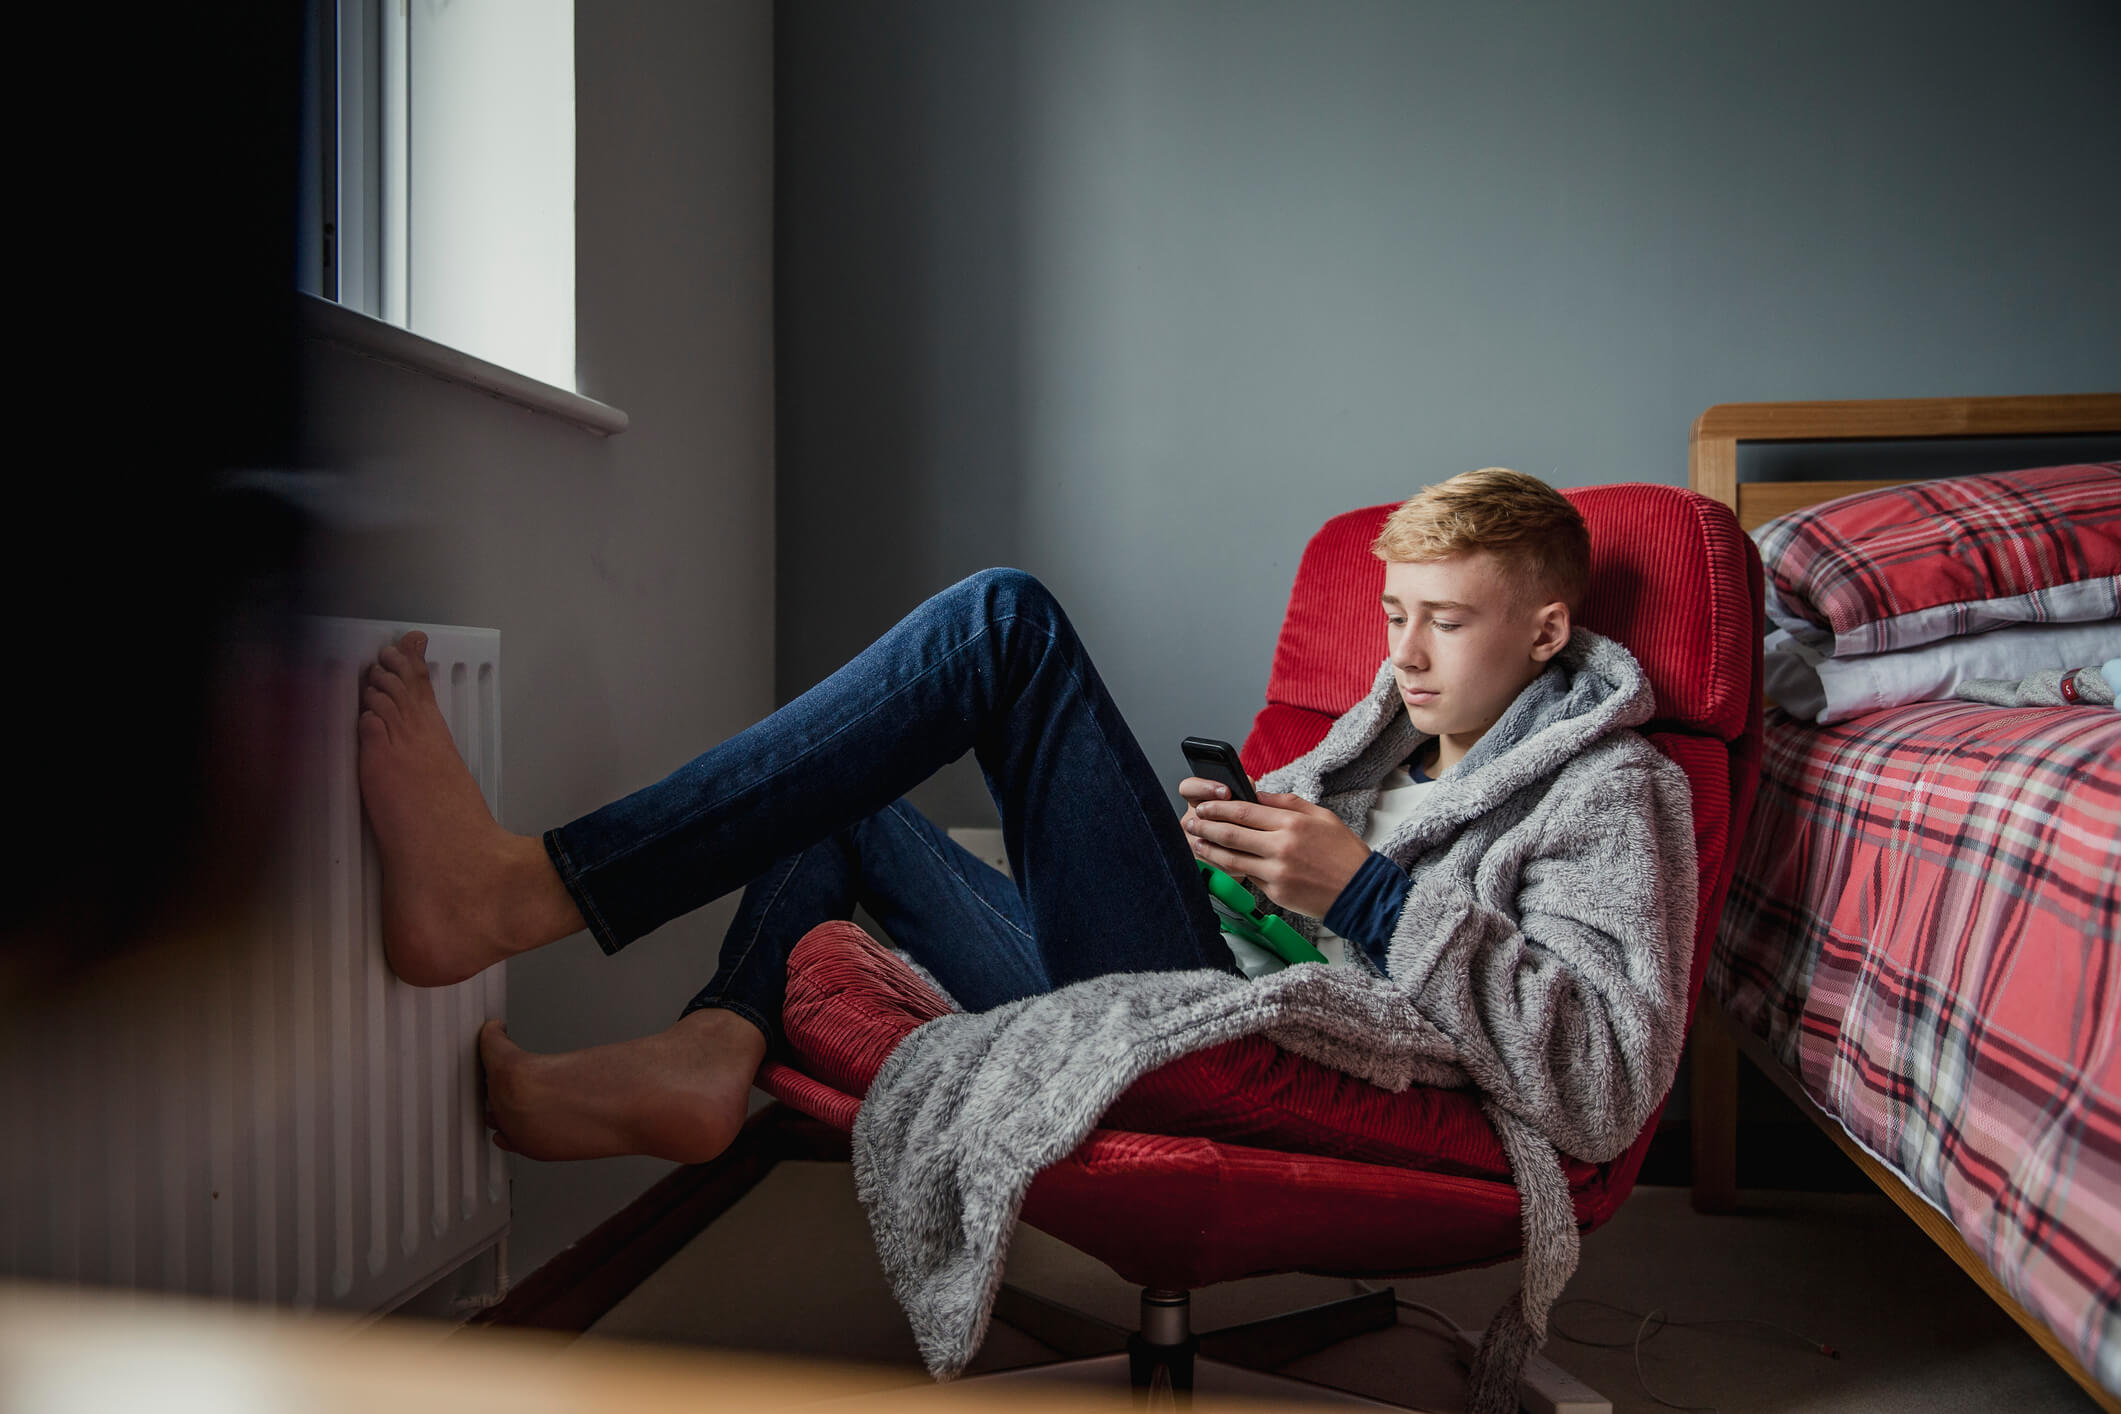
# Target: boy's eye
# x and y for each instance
(1395, 621)
(1444, 626)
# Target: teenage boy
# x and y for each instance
(1503, 852)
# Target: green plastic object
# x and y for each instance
(1241, 915)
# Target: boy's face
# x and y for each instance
(1463, 646)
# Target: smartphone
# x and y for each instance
(1214, 760)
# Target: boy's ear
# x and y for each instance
(1551, 622)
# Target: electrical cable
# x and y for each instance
(1649, 1325)
(1450, 1327)
(1645, 1331)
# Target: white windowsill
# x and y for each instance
(332, 323)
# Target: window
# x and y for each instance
(438, 173)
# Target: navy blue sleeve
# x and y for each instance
(1368, 908)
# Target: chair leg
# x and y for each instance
(1275, 1341)
(1160, 1354)
(1166, 1324)
(1713, 1074)
(1163, 1356)
(1160, 1372)
(1060, 1328)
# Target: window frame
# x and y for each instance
(354, 246)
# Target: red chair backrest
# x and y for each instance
(1668, 580)
(1673, 579)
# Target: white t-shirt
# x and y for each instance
(1399, 796)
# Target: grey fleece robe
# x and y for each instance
(1541, 959)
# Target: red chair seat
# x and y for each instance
(850, 1002)
(1200, 1207)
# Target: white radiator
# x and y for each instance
(272, 1117)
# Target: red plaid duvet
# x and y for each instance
(1925, 927)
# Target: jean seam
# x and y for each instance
(758, 930)
(1140, 813)
(570, 879)
(943, 860)
(847, 726)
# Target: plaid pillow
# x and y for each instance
(1907, 565)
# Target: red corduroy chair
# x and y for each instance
(1244, 1160)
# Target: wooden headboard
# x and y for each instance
(1712, 450)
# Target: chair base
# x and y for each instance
(1213, 1381)
(1256, 1345)
(1164, 1358)
(1166, 1363)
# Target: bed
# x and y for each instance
(1922, 945)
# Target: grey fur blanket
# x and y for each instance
(2087, 687)
(1542, 958)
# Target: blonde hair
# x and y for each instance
(1532, 529)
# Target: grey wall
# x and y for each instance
(1136, 295)
(631, 579)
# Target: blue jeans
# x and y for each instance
(805, 809)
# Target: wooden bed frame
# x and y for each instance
(1716, 1042)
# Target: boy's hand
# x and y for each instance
(1195, 790)
(1300, 854)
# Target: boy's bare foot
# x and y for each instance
(459, 892)
(680, 1094)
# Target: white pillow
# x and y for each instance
(1809, 685)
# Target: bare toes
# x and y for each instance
(394, 660)
(384, 680)
(381, 705)
(500, 1135)
(400, 669)
(496, 1046)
